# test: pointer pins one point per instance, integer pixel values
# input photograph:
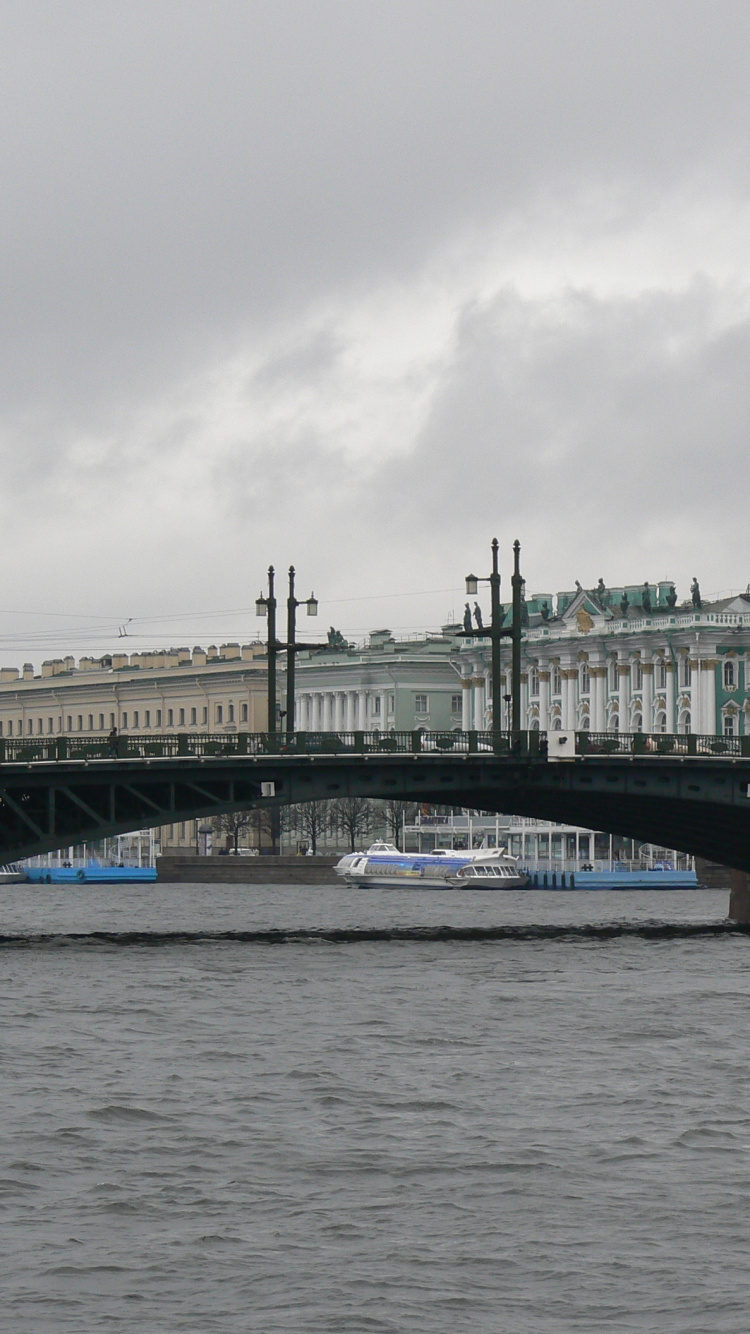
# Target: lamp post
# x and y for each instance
(495, 633)
(266, 606)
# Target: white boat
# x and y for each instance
(11, 874)
(382, 865)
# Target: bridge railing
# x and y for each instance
(205, 745)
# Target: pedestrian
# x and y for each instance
(112, 742)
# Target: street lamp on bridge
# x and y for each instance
(495, 632)
(266, 606)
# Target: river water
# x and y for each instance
(545, 1136)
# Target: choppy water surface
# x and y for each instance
(526, 1136)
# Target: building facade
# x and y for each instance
(624, 659)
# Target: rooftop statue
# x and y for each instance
(695, 593)
(544, 611)
(646, 600)
(624, 604)
(478, 616)
(671, 598)
(467, 617)
(601, 588)
(336, 639)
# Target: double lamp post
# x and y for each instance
(266, 606)
(495, 632)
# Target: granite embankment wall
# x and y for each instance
(248, 870)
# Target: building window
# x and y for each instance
(455, 703)
(730, 680)
(557, 724)
(661, 675)
(661, 722)
(728, 724)
(685, 723)
(158, 717)
(125, 720)
(243, 713)
(10, 727)
(193, 717)
(585, 723)
(685, 672)
(170, 717)
(205, 715)
(534, 681)
(637, 674)
(70, 723)
(585, 679)
(40, 726)
(230, 713)
(111, 720)
(420, 704)
(30, 726)
(50, 725)
(147, 722)
(182, 718)
(136, 719)
(101, 722)
(219, 713)
(376, 704)
(637, 723)
(80, 722)
(613, 682)
(556, 680)
(392, 703)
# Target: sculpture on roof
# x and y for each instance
(671, 597)
(624, 604)
(467, 618)
(544, 611)
(578, 586)
(646, 599)
(695, 593)
(336, 639)
(478, 616)
(601, 588)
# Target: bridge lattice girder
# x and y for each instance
(699, 806)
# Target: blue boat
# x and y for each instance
(90, 875)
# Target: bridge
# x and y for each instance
(687, 792)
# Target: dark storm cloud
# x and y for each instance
(302, 273)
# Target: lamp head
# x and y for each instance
(261, 605)
(312, 605)
(472, 585)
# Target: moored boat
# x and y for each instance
(383, 866)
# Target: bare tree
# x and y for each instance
(352, 816)
(394, 814)
(311, 819)
(233, 823)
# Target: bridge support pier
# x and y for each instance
(739, 896)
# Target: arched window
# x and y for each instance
(615, 723)
(730, 679)
(535, 725)
(585, 679)
(685, 722)
(661, 722)
(637, 723)
(556, 680)
(556, 724)
(637, 674)
(585, 723)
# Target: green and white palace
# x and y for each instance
(622, 659)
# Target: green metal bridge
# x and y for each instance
(687, 792)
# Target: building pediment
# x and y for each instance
(585, 613)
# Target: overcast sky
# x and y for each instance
(360, 284)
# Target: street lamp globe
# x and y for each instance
(312, 605)
(261, 606)
(472, 585)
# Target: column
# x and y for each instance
(350, 713)
(479, 719)
(598, 700)
(671, 698)
(696, 702)
(623, 680)
(569, 698)
(544, 701)
(338, 712)
(466, 704)
(647, 696)
(708, 672)
(361, 711)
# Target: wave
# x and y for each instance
(367, 935)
